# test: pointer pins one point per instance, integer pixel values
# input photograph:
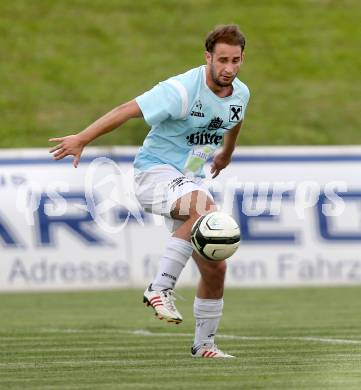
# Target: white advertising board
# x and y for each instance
(299, 210)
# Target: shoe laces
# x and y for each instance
(169, 299)
(213, 348)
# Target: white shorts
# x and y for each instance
(158, 188)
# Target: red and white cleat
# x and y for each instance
(163, 304)
(209, 351)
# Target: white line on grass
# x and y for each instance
(141, 332)
(147, 333)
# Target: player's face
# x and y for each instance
(224, 63)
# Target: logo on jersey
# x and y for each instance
(197, 109)
(235, 113)
(204, 138)
(215, 123)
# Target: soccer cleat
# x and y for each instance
(163, 304)
(209, 351)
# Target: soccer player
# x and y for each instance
(191, 116)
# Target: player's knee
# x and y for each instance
(215, 272)
(221, 269)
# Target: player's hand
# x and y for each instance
(220, 161)
(70, 145)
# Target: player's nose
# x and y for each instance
(228, 69)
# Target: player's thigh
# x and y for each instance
(192, 204)
(165, 191)
(156, 189)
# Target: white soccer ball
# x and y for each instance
(215, 236)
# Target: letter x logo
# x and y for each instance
(235, 113)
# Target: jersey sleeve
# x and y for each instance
(160, 103)
(245, 99)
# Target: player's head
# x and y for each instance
(224, 53)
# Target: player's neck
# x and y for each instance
(218, 90)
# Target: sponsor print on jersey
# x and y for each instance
(197, 158)
(235, 113)
(204, 138)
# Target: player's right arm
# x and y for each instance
(73, 145)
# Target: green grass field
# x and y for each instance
(65, 63)
(283, 339)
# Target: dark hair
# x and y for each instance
(228, 33)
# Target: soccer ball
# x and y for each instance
(215, 236)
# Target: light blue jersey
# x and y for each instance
(188, 121)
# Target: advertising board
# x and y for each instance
(299, 210)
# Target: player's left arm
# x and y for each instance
(223, 157)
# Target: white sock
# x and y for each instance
(175, 257)
(208, 313)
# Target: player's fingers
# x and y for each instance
(76, 161)
(56, 139)
(59, 156)
(216, 173)
(59, 152)
(55, 148)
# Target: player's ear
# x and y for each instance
(242, 56)
(208, 57)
